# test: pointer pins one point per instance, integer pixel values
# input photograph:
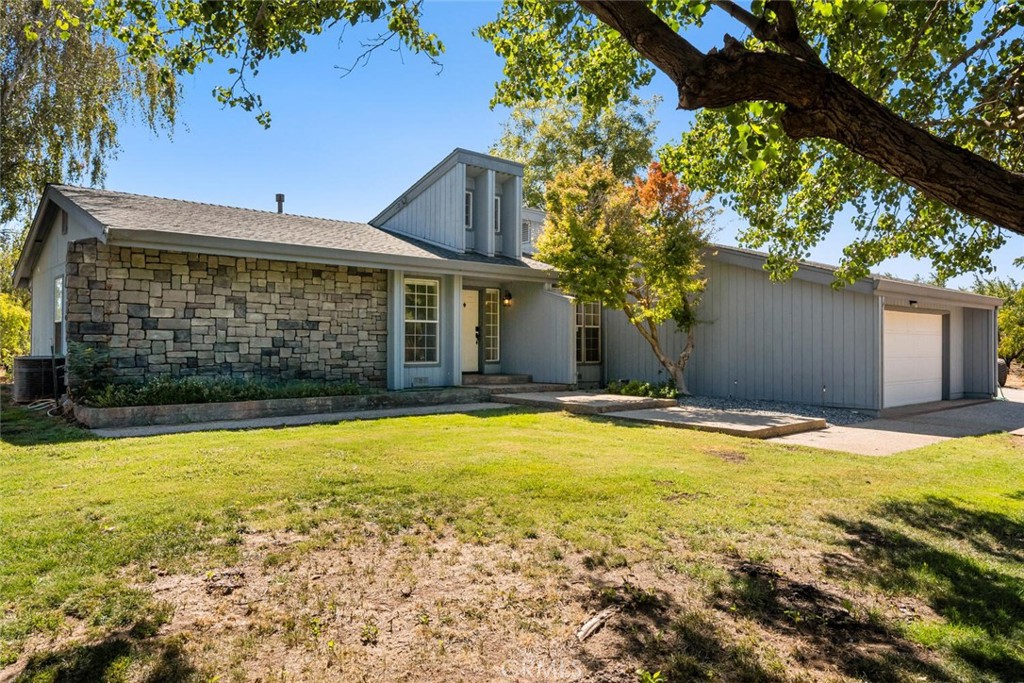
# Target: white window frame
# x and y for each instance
(435, 285)
(581, 332)
(469, 209)
(59, 296)
(492, 307)
(497, 214)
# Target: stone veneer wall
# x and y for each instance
(171, 313)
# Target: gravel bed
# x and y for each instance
(833, 416)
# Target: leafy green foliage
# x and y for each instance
(634, 247)
(88, 370)
(634, 387)
(1011, 314)
(14, 330)
(183, 390)
(64, 89)
(951, 68)
(179, 36)
(557, 135)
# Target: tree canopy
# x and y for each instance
(905, 118)
(63, 87)
(553, 136)
(635, 247)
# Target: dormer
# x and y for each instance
(470, 202)
(532, 225)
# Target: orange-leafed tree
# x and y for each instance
(637, 247)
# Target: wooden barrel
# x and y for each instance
(34, 377)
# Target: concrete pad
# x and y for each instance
(887, 436)
(584, 402)
(855, 439)
(735, 423)
(294, 420)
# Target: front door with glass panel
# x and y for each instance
(470, 330)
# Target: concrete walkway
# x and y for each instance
(584, 402)
(735, 423)
(296, 420)
(668, 413)
(890, 435)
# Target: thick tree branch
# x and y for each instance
(648, 34)
(785, 34)
(822, 104)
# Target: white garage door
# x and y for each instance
(912, 358)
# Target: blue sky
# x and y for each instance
(344, 147)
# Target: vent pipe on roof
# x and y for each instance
(280, 202)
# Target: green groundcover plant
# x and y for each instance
(176, 390)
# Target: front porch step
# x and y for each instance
(480, 379)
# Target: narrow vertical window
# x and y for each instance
(497, 215)
(492, 308)
(588, 332)
(469, 210)
(58, 316)
(421, 301)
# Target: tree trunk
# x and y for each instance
(675, 368)
(681, 362)
(822, 104)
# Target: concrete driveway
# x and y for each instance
(886, 436)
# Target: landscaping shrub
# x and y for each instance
(635, 387)
(174, 390)
(14, 330)
(88, 370)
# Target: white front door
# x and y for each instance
(470, 330)
(912, 358)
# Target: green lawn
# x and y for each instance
(793, 544)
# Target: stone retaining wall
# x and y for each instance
(137, 416)
(171, 313)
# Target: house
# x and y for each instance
(440, 286)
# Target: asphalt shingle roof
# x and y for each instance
(133, 212)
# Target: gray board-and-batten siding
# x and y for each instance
(800, 341)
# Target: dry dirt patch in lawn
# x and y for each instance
(425, 606)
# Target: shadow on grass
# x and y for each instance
(989, 533)
(20, 426)
(831, 630)
(118, 658)
(970, 592)
(823, 632)
(605, 418)
(684, 644)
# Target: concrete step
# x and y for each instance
(523, 388)
(479, 379)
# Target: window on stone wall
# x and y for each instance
(421, 306)
(588, 332)
(492, 308)
(58, 316)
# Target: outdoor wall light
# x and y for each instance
(507, 299)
